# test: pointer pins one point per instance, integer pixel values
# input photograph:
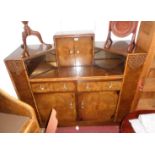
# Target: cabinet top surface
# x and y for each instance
(34, 50)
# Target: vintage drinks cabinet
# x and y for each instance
(85, 83)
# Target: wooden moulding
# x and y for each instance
(117, 77)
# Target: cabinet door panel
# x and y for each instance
(84, 51)
(63, 103)
(98, 106)
(65, 51)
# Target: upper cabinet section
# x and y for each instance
(74, 49)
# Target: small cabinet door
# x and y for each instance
(74, 50)
(65, 51)
(84, 51)
(97, 106)
(63, 103)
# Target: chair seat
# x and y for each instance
(10, 123)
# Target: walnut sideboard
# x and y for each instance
(99, 91)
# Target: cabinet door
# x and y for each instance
(98, 106)
(84, 51)
(65, 51)
(63, 103)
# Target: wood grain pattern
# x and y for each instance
(145, 36)
(65, 87)
(145, 41)
(53, 87)
(130, 81)
(86, 86)
(63, 103)
(77, 50)
(98, 106)
(19, 76)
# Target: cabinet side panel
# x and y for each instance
(19, 79)
(133, 69)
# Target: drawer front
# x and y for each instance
(53, 87)
(99, 86)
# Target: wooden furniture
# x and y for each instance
(29, 32)
(92, 92)
(122, 29)
(126, 126)
(16, 116)
(77, 49)
(144, 98)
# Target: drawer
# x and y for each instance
(53, 87)
(99, 86)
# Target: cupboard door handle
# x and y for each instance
(87, 87)
(65, 87)
(110, 85)
(76, 39)
(42, 87)
(82, 105)
(71, 51)
(78, 52)
(71, 105)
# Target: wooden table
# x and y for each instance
(126, 126)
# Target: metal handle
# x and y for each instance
(77, 52)
(65, 87)
(71, 51)
(42, 87)
(87, 87)
(71, 105)
(110, 85)
(82, 105)
(76, 39)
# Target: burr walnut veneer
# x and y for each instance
(84, 83)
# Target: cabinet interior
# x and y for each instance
(104, 63)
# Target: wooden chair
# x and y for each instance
(16, 116)
(122, 29)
